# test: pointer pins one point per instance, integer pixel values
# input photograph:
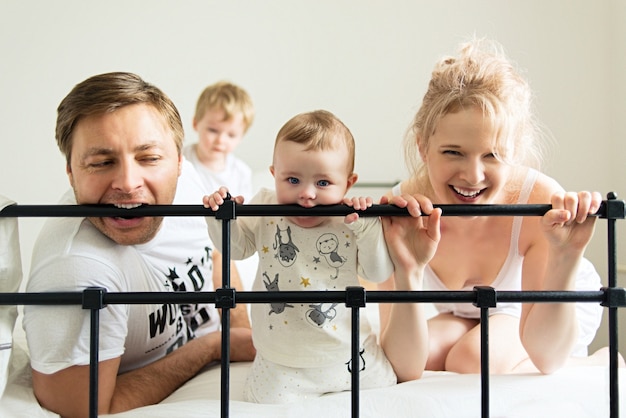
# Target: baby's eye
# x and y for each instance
(323, 183)
(451, 152)
(293, 180)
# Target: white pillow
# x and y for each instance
(10, 279)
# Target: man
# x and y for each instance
(122, 139)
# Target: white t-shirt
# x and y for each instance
(237, 175)
(326, 257)
(71, 254)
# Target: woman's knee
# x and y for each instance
(463, 358)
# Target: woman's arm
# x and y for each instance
(412, 242)
(549, 330)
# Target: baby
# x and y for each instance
(303, 350)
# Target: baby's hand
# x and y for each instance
(357, 203)
(216, 199)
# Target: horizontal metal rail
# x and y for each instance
(614, 209)
(303, 296)
(95, 299)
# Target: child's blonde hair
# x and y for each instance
(228, 97)
(318, 130)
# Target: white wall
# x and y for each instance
(367, 61)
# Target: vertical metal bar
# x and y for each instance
(94, 345)
(93, 299)
(613, 334)
(356, 363)
(484, 361)
(486, 297)
(225, 392)
(355, 299)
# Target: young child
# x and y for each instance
(224, 113)
(303, 350)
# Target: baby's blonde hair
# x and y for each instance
(318, 130)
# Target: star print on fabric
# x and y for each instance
(265, 249)
(172, 274)
(347, 245)
(189, 261)
(271, 327)
(305, 281)
(316, 260)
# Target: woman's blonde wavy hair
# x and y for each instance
(481, 76)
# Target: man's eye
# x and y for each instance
(293, 180)
(99, 164)
(151, 159)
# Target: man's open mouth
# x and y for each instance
(127, 206)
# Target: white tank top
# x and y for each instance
(509, 277)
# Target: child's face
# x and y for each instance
(310, 178)
(218, 137)
(461, 160)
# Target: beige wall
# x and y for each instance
(367, 61)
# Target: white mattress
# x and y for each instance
(570, 392)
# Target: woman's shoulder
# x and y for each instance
(543, 189)
(541, 193)
(407, 186)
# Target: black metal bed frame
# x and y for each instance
(355, 298)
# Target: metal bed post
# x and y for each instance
(486, 298)
(225, 299)
(93, 299)
(355, 299)
(613, 298)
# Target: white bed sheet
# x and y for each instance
(570, 392)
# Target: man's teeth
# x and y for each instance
(127, 205)
(467, 193)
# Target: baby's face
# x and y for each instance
(310, 177)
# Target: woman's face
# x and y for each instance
(461, 161)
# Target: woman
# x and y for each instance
(474, 141)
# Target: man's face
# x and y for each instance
(126, 158)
